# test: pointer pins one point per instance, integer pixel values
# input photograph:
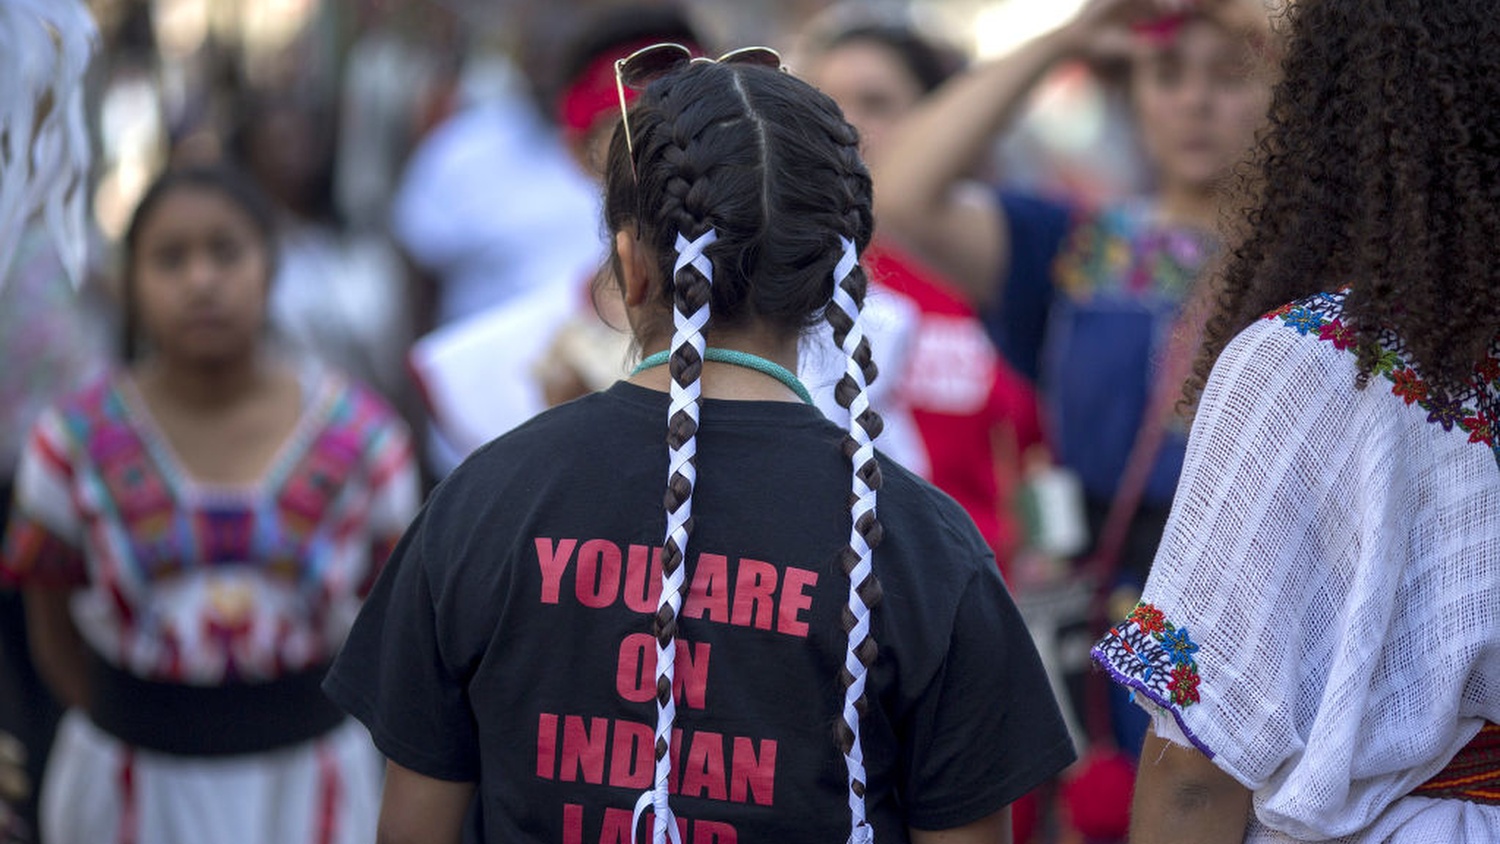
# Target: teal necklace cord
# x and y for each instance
(734, 357)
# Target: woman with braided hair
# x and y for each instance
(820, 650)
(1319, 639)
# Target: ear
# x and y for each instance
(634, 265)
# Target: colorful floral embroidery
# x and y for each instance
(1479, 430)
(1178, 645)
(1488, 370)
(1340, 334)
(1303, 320)
(269, 569)
(1125, 249)
(1445, 413)
(1409, 386)
(1148, 618)
(1281, 311)
(1474, 411)
(1153, 655)
(1184, 685)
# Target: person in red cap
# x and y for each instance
(587, 104)
(589, 352)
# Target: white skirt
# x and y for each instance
(99, 791)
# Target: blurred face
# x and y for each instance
(1198, 102)
(871, 84)
(201, 275)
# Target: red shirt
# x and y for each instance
(976, 416)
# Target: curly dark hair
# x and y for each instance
(1379, 170)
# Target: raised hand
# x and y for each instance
(1098, 14)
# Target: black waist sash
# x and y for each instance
(225, 720)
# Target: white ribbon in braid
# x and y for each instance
(860, 830)
(689, 332)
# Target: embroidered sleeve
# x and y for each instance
(1206, 645)
(1154, 657)
(43, 544)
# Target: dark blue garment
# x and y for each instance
(1089, 303)
(1017, 323)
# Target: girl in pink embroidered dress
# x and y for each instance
(193, 535)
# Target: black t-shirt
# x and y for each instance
(509, 639)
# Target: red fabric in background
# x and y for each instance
(975, 414)
(593, 95)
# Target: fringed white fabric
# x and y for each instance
(43, 168)
(860, 830)
(685, 399)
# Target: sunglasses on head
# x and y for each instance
(649, 64)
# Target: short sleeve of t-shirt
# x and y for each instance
(987, 730)
(1036, 230)
(394, 676)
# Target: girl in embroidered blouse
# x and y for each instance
(192, 535)
(1319, 642)
(1082, 301)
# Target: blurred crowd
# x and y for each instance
(432, 171)
(428, 166)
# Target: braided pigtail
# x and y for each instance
(864, 589)
(693, 277)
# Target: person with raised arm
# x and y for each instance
(1091, 303)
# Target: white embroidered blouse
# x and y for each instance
(1323, 616)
